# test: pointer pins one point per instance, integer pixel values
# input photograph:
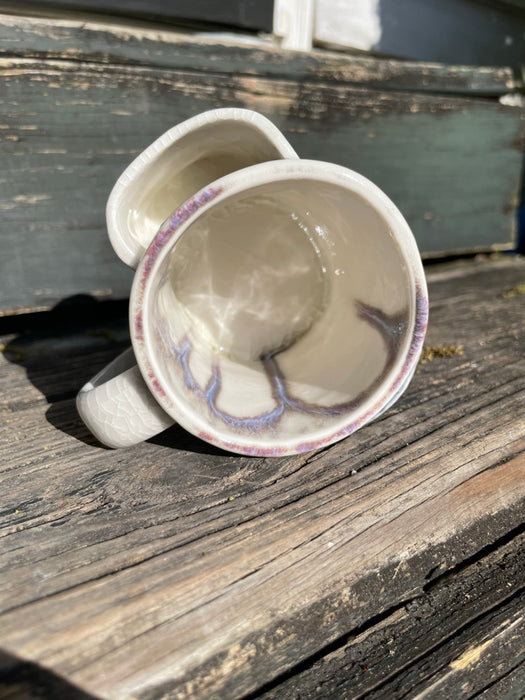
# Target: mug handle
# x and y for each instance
(117, 406)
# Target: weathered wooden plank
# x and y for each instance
(68, 129)
(433, 30)
(461, 635)
(494, 648)
(30, 37)
(176, 569)
(254, 15)
(488, 650)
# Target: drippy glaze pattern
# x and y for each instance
(390, 327)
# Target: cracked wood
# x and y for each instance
(174, 569)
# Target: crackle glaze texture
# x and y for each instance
(280, 309)
(117, 407)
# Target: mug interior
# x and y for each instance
(191, 162)
(280, 316)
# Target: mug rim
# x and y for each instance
(212, 195)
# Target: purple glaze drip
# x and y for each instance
(182, 355)
(252, 423)
(390, 327)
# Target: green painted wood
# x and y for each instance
(68, 128)
(254, 15)
(519, 4)
(464, 32)
(117, 44)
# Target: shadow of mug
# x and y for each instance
(20, 680)
(62, 348)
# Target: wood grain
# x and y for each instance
(176, 570)
(109, 43)
(69, 127)
(462, 636)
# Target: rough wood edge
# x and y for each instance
(209, 680)
(394, 643)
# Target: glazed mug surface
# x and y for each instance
(276, 311)
(178, 164)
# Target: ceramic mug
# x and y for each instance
(181, 162)
(275, 312)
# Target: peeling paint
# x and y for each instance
(81, 85)
(471, 656)
(31, 198)
(48, 151)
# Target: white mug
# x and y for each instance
(180, 163)
(276, 311)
